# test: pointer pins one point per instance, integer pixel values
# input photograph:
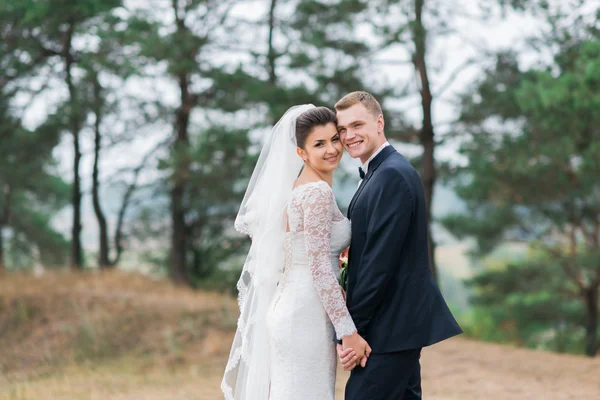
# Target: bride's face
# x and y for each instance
(323, 148)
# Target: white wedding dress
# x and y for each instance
(308, 306)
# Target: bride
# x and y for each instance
(291, 304)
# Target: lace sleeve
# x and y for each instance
(318, 213)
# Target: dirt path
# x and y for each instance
(457, 369)
(464, 369)
(469, 370)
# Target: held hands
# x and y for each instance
(353, 351)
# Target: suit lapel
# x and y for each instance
(376, 162)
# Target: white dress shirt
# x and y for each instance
(365, 166)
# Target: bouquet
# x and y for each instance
(344, 270)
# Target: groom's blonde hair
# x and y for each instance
(364, 98)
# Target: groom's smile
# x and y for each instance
(353, 145)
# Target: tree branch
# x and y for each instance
(566, 266)
(453, 75)
(127, 200)
(393, 62)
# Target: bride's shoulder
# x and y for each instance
(305, 190)
(316, 185)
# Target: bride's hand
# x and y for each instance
(347, 357)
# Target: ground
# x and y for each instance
(120, 336)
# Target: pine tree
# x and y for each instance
(48, 34)
(30, 194)
(535, 176)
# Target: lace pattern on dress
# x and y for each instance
(312, 210)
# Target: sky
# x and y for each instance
(447, 54)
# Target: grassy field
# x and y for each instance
(118, 336)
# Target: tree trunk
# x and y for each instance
(178, 234)
(121, 218)
(75, 123)
(103, 257)
(180, 174)
(3, 222)
(179, 270)
(118, 238)
(178, 239)
(591, 329)
(428, 174)
(76, 254)
(2, 265)
(119, 229)
(271, 55)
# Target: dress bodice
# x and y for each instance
(340, 240)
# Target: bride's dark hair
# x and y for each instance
(308, 120)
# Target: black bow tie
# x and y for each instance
(361, 173)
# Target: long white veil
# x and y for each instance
(262, 217)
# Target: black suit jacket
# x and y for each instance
(392, 295)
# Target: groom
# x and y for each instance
(392, 295)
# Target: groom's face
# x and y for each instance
(360, 131)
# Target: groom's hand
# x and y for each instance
(363, 362)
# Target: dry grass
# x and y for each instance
(118, 336)
(65, 319)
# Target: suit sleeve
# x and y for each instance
(389, 213)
